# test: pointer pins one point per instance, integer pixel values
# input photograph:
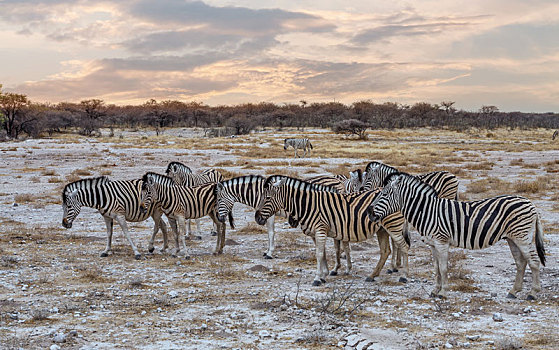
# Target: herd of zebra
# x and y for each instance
(379, 200)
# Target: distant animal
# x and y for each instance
(115, 200)
(297, 144)
(323, 212)
(555, 134)
(473, 225)
(180, 203)
(182, 175)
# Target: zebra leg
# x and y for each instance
(394, 258)
(156, 224)
(442, 249)
(122, 222)
(165, 237)
(337, 249)
(271, 236)
(214, 228)
(181, 228)
(520, 262)
(530, 255)
(109, 224)
(175, 229)
(384, 245)
(435, 254)
(347, 251)
(320, 245)
(220, 234)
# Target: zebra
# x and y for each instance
(445, 183)
(344, 185)
(297, 144)
(182, 175)
(555, 134)
(115, 200)
(247, 190)
(323, 212)
(472, 225)
(180, 203)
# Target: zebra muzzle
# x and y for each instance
(259, 218)
(372, 216)
(143, 209)
(66, 224)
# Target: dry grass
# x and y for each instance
(24, 198)
(485, 165)
(49, 172)
(282, 171)
(538, 185)
(251, 228)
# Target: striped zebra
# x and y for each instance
(180, 203)
(445, 183)
(472, 225)
(297, 144)
(248, 190)
(555, 134)
(115, 200)
(182, 175)
(323, 212)
(343, 185)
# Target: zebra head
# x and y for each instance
(388, 200)
(71, 206)
(272, 199)
(177, 171)
(224, 202)
(285, 144)
(355, 181)
(149, 192)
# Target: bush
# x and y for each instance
(352, 127)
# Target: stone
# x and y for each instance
(59, 338)
(473, 337)
(497, 317)
(448, 346)
(54, 347)
(264, 333)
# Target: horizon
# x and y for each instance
(215, 52)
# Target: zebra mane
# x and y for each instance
(359, 174)
(411, 178)
(381, 165)
(87, 182)
(303, 184)
(159, 178)
(179, 164)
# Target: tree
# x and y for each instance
(241, 123)
(93, 109)
(352, 127)
(447, 107)
(12, 107)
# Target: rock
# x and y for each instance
(264, 333)
(59, 338)
(456, 314)
(173, 294)
(473, 337)
(54, 347)
(73, 333)
(378, 303)
(259, 268)
(229, 241)
(466, 345)
(448, 346)
(497, 317)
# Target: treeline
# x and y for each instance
(20, 116)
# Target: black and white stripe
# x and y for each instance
(248, 190)
(182, 175)
(297, 144)
(323, 212)
(555, 134)
(115, 200)
(181, 203)
(472, 225)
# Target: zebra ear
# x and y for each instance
(279, 182)
(219, 187)
(72, 193)
(151, 180)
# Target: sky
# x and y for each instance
(503, 53)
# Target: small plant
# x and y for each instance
(39, 314)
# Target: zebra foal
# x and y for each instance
(115, 200)
(180, 203)
(472, 225)
(322, 212)
(302, 143)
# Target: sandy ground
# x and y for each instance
(55, 290)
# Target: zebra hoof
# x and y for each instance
(389, 271)
(266, 256)
(316, 283)
(511, 296)
(104, 254)
(137, 256)
(150, 250)
(394, 270)
(530, 297)
(403, 280)
(213, 234)
(198, 238)
(369, 279)
(333, 273)
(322, 280)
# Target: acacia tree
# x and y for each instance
(352, 127)
(12, 108)
(94, 109)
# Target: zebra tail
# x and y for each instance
(406, 235)
(539, 241)
(231, 221)
(310, 144)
